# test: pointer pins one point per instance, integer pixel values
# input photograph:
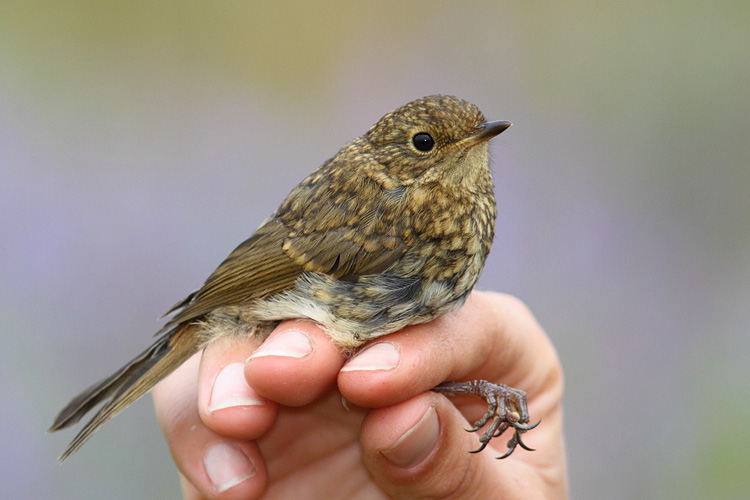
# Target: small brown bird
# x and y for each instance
(393, 230)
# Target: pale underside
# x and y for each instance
(343, 315)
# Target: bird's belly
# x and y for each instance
(351, 313)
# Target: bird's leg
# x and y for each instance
(506, 407)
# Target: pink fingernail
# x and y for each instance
(230, 389)
(416, 443)
(380, 356)
(289, 344)
(227, 466)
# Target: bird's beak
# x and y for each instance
(486, 131)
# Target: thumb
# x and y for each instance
(419, 449)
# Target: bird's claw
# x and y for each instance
(506, 407)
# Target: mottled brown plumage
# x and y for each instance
(391, 231)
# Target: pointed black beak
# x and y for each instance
(487, 131)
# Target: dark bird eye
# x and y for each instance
(423, 142)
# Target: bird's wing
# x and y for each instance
(255, 269)
(272, 259)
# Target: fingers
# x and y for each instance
(488, 338)
(413, 444)
(226, 403)
(210, 414)
(215, 467)
(418, 449)
(295, 365)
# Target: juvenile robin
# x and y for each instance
(393, 230)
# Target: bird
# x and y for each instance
(393, 230)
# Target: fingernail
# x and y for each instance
(416, 443)
(380, 356)
(231, 389)
(289, 344)
(227, 466)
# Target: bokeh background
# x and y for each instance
(141, 141)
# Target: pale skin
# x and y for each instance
(276, 426)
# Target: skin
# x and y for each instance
(304, 439)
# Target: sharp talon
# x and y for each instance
(522, 427)
(481, 447)
(510, 450)
(506, 407)
(521, 443)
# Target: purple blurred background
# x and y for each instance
(140, 142)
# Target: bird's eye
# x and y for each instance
(423, 142)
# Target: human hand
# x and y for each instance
(275, 424)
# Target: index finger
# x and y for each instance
(492, 337)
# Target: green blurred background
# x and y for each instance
(141, 141)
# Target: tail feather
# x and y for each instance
(126, 385)
(91, 397)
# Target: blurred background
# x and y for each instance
(141, 141)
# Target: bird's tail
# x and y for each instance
(127, 384)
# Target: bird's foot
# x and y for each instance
(506, 407)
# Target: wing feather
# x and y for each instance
(283, 248)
